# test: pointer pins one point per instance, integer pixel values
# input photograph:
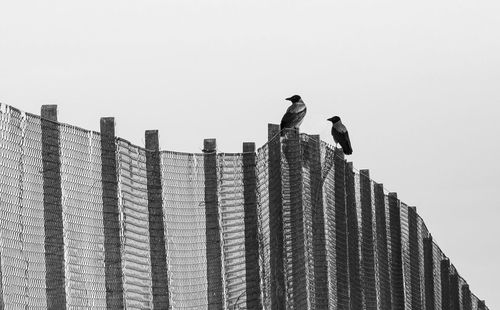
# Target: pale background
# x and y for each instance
(417, 84)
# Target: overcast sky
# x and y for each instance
(416, 83)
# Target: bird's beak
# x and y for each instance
(290, 98)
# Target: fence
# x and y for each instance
(88, 220)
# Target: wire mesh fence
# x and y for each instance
(290, 225)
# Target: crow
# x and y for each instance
(340, 135)
(294, 114)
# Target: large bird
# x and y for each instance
(340, 135)
(294, 114)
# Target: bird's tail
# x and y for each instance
(347, 150)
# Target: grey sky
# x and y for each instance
(416, 83)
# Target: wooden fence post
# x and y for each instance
(367, 246)
(382, 249)
(342, 265)
(278, 298)
(413, 238)
(251, 227)
(293, 193)
(429, 273)
(52, 202)
(454, 290)
(111, 216)
(397, 280)
(355, 289)
(466, 298)
(318, 225)
(156, 226)
(445, 284)
(214, 268)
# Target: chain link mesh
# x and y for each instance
(21, 211)
(328, 180)
(405, 240)
(262, 168)
(184, 215)
(343, 243)
(232, 223)
(133, 206)
(438, 257)
(82, 217)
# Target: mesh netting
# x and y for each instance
(232, 223)
(296, 273)
(328, 186)
(22, 234)
(184, 215)
(405, 242)
(314, 220)
(422, 234)
(262, 173)
(133, 206)
(311, 208)
(438, 257)
(327, 237)
(367, 244)
(82, 218)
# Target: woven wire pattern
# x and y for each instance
(328, 186)
(184, 217)
(353, 234)
(376, 254)
(348, 222)
(310, 200)
(296, 273)
(382, 249)
(83, 218)
(22, 232)
(438, 256)
(133, 206)
(461, 282)
(262, 173)
(314, 219)
(475, 302)
(405, 243)
(287, 233)
(422, 233)
(232, 223)
(367, 244)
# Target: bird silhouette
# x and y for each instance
(340, 135)
(294, 114)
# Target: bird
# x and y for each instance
(340, 135)
(294, 114)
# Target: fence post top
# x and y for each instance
(49, 112)
(365, 172)
(209, 145)
(152, 140)
(152, 132)
(272, 131)
(248, 147)
(108, 126)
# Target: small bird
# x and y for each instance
(294, 114)
(340, 135)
